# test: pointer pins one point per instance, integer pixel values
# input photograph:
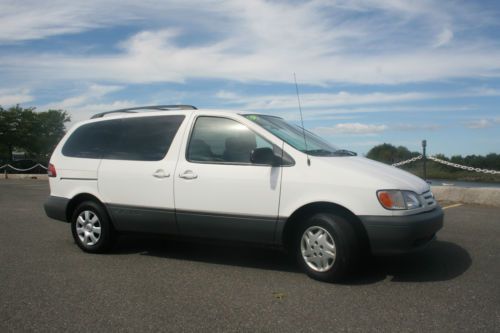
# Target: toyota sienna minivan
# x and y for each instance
(225, 175)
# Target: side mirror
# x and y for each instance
(264, 156)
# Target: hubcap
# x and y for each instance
(318, 249)
(88, 228)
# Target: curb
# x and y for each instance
(478, 196)
(34, 176)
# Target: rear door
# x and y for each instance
(135, 177)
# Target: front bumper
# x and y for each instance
(400, 234)
(55, 207)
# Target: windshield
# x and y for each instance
(294, 136)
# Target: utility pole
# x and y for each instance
(424, 145)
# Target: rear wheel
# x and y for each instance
(326, 247)
(91, 228)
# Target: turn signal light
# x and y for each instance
(391, 199)
(385, 199)
(396, 199)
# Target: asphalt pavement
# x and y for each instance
(155, 284)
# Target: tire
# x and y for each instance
(326, 247)
(91, 228)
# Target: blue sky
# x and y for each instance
(369, 71)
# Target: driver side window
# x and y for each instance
(222, 140)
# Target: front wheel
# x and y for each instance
(91, 228)
(326, 247)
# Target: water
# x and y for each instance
(457, 183)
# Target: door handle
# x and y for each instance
(160, 173)
(188, 174)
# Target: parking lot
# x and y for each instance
(151, 283)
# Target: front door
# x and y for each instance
(219, 193)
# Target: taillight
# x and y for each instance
(51, 170)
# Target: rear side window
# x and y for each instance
(145, 139)
(136, 139)
(92, 140)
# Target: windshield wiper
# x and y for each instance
(319, 152)
(344, 152)
(324, 152)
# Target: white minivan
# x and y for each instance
(226, 175)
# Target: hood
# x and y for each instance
(369, 173)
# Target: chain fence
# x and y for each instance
(463, 167)
(8, 166)
(451, 164)
(408, 161)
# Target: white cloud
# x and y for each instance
(483, 92)
(9, 97)
(482, 123)
(32, 19)
(223, 94)
(89, 102)
(85, 111)
(372, 129)
(351, 128)
(318, 100)
(444, 37)
(370, 143)
(416, 127)
(93, 92)
(327, 105)
(324, 42)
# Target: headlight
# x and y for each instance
(398, 200)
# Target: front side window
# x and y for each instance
(223, 140)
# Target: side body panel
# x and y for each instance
(74, 175)
(139, 195)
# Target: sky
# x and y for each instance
(368, 72)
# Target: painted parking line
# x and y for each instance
(453, 206)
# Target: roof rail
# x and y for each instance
(150, 107)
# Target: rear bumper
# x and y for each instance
(55, 208)
(400, 234)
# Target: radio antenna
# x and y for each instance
(301, 118)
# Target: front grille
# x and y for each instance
(428, 198)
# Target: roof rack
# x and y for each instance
(150, 107)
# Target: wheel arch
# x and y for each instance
(292, 223)
(78, 199)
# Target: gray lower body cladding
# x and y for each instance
(55, 208)
(255, 229)
(400, 234)
(387, 234)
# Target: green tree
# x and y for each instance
(492, 161)
(36, 133)
(49, 130)
(13, 127)
(390, 154)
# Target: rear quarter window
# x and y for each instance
(136, 139)
(92, 140)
